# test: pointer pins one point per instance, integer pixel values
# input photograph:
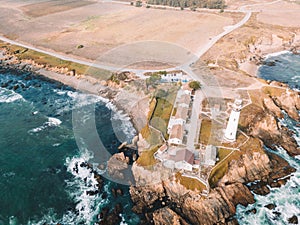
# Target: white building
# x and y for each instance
(232, 125)
(175, 76)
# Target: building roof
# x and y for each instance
(183, 155)
(210, 154)
(176, 132)
(181, 113)
(185, 99)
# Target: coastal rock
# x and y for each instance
(219, 206)
(251, 164)
(293, 220)
(167, 216)
(116, 164)
(270, 206)
(146, 197)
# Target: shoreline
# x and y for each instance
(252, 68)
(81, 83)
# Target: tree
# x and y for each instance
(195, 85)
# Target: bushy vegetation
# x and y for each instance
(211, 4)
(195, 85)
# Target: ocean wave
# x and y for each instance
(8, 96)
(83, 182)
(274, 54)
(52, 122)
(117, 115)
(286, 200)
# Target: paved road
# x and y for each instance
(194, 121)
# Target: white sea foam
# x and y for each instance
(82, 99)
(52, 122)
(285, 198)
(276, 54)
(87, 206)
(8, 96)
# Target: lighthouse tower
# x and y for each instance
(230, 132)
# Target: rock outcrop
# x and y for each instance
(252, 165)
(261, 119)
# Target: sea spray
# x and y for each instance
(286, 199)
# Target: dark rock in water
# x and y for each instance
(28, 77)
(104, 195)
(118, 208)
(293, 219)
(270, 206)
(37, 85)
(111, 218)
(114, 192)
(120, 192)
(260, 188)
(253, 211)
(92, 193)
(16, 87)
(277, 215)
(103, 213)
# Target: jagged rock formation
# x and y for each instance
(252, 165)
(261, 119)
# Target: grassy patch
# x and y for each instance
(223, 153)
(152, 136)
(273, 91)
(221, 169)
(51, 61)
(147, 157)
(205, 131)
(162, 112)
(190, 183)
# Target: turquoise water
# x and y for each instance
(38, 154)
(284, 68)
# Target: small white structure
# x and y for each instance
(210, 157)
(231, 130)
(175, 76)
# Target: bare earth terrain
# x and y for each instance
(100, 27)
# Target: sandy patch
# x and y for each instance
(282, 13)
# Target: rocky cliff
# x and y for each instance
(250, 169)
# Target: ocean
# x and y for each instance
(284, 67)
(42, 180)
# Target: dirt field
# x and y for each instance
(281, 13)
(101, 27)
